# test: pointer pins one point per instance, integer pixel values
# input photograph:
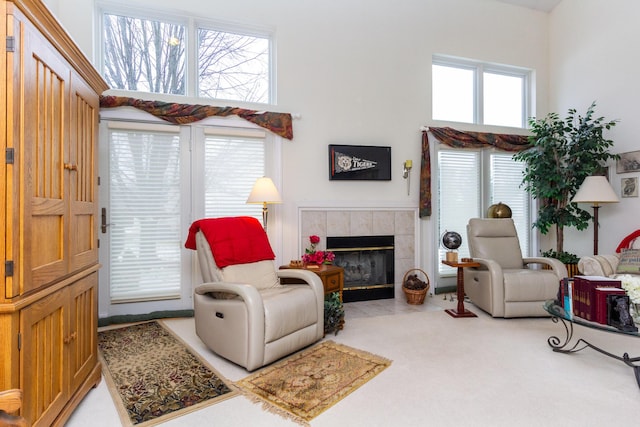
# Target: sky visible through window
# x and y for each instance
(460, 96)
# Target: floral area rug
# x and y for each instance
(155, 375)
(306, 384)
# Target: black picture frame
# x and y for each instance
(359, 162)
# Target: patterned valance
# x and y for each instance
(278, 123)
(460, 139)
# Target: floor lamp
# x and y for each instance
(595, 190)
(264, 192)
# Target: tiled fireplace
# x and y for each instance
(397, 223)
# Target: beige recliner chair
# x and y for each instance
(503, 285)
(245, 315)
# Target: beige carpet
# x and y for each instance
(473, 372)
(308, 383)
(154, 376)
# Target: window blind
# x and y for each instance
(506, 176)
(459, 195)
(233, 163)
(145, 202)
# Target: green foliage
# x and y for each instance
(564, 152)
(563, 257)
(333, 313)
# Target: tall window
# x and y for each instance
(157, 55)
(469, 181)
(475, 92)
(158, 179)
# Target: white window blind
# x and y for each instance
(233, 163)
(459, 194)
(145, 213)
(468, 183)
(506, 176)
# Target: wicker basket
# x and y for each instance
(415, 297)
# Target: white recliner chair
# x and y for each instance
(503, 285)
(242, 312)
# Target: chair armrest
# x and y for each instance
(598, 265)
(487, 264)
(310, 278)
(247, 292)
(556, 266)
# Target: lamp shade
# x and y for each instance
(264, 191)
(595, 189)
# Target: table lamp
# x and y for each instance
(264, 192)
(595, 190)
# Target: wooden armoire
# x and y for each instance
(48, 305)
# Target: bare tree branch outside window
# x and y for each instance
(233, 66)
(151, 56)
(144, 55)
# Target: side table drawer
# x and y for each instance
(332, 283)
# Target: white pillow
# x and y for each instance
(260, 274)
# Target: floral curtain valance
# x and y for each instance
(460, 139)
(278, 123)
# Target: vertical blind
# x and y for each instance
(145, 208)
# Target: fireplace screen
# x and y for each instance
(368, 266)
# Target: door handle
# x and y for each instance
(104, 224)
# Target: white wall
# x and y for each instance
(594, 57)
(358, 72)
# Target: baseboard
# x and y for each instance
(445, 289)
(131, 318)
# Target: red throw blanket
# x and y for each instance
(233, 240)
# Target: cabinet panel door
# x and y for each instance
(42, 153)
(83, 327)
(83, 175)
(43, 380)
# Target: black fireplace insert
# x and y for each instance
(368, 263)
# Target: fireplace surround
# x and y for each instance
(401, 222)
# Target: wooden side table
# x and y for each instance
(460, 311)
(332, 277)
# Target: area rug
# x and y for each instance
(155, 376)
(306, 384)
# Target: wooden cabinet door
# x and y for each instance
(42, 92)
(83, 329)
(82, 166)
(42, 358)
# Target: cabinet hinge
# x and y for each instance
(8, 268)
(11, 44)
(19, 341)
(9, 156)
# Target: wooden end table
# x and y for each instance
(460, 311)
(332, 277)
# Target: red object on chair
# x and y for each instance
(628, 241)
(233, 240)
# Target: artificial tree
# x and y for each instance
(563, 153)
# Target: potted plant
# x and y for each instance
(564, 152)
(333, 313)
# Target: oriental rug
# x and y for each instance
(306, 384)
(154, 376)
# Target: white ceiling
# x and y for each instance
(544, 5)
